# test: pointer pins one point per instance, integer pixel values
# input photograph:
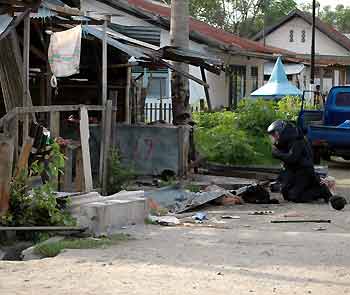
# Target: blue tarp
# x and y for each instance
(278, 85)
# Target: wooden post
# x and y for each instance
(321, 79)
(249, 82)
(104, 64)
(104, 96)
(206, 90)
(6, 162)
(55, 124)
(84, 138)
(127, 96)
(25, 73)
(107, 140)
(68, 167)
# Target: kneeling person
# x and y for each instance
(299, 181)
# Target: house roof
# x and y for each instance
(323, 27)
(199, 31)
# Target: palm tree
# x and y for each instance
(179, 37)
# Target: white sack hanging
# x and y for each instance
(64, 52)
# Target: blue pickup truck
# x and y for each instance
(328, 129)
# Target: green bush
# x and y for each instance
(256, 115)
(240, 137)
(39, 206)
(289, 107)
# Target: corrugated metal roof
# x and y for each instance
(5, 20)
(131, 51)
(149, 34)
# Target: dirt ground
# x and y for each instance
(249, 255)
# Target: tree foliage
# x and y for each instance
(246, 17)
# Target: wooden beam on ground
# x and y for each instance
(206, 90)
(6, 162)
(107, 142)
(84, 138)
(42, 228)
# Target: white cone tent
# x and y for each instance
(278, 85)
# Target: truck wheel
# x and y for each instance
(316, 155)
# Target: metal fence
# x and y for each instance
(162, 111)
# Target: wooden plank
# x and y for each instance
(57, 108)
(127, 97)
(25, 72)
(104, 64)
(65, 10)
(206, 90)
(42, 228)
(55, 124)
(107, 141)
(24, 156)
(84, 138)
(79, 177)
(187, 75)
(6, 162)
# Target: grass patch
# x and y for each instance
(54, 248)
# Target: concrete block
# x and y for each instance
(110, 213)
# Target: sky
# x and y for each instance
(332, 3)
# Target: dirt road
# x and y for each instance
(250, 256)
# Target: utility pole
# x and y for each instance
(312, 76)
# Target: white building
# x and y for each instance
(149, 21)
(293, 32)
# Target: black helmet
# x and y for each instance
(337, 202)
(277, 126)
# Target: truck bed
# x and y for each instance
(335, 137)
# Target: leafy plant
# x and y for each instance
(119, 176)
(240, 137)
(38, 206)
(256, 115)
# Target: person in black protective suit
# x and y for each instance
(298, 179)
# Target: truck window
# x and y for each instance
(342, 99)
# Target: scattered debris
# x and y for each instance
(164, 220)
(293, 214)
(214, 220)
(230, 217)
(302, 221)
(261, 213)
(200, 216)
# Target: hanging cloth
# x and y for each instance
(64, 52)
